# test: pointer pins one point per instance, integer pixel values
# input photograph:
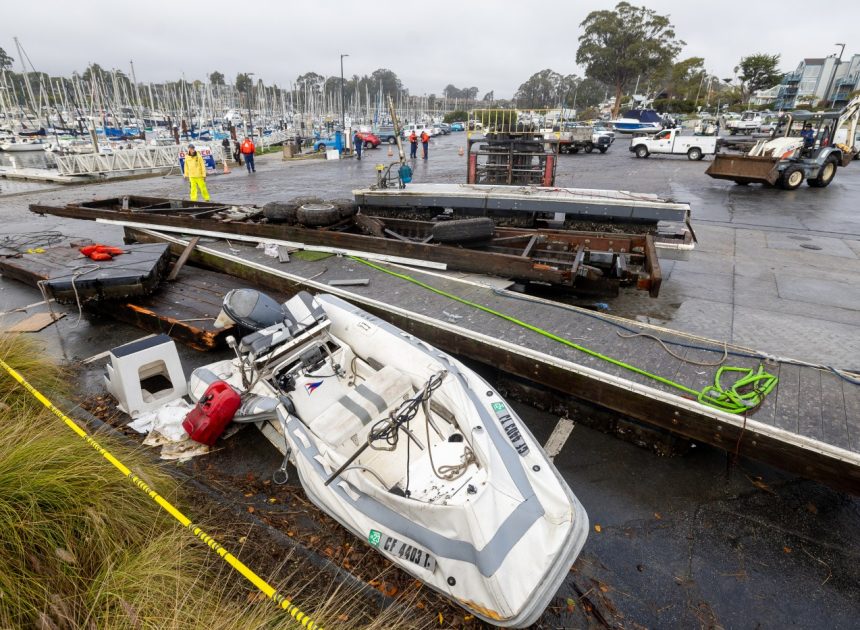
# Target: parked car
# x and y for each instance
(458, 126)
(445, 128)
(408, 129)
(371, 140)
(386, 134)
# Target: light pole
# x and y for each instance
(248, 96)
(342, 114)
(833, 74)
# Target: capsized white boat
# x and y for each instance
(408, 449)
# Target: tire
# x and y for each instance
(791, 178)
(695, 153)
(463, 230)
(392, 140)
(345, 207)
(317, 214)
(575, 150)
(641, 151)
(603, 149)
(589, 147)
(826, 175)
(280, 212)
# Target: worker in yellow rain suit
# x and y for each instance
(195, 172)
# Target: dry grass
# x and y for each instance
(80, 547)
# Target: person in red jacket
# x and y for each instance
(425, 140)
(413, 145)
(247, 150)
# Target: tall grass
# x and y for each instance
(80, 547)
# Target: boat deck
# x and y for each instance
(809, 424)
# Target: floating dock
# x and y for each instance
(809, 424)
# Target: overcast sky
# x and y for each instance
(494, 45)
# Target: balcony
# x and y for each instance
(850, 80)
(792, 77)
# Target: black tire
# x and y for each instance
(345, 207)
(694, 153)
(280, 212)
(392, 140)
(574, 150)
(826, 174)
(317, 214)
(791, 178)
(641, 151)
(463, 230)
(589, 147)
(603, 149)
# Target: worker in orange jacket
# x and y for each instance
(195, 173)
(247, 150)
(425, 140)
(413, 145)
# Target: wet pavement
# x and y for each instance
(698, 540)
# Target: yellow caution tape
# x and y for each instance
(213, 544)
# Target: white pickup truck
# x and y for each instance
(671, 141)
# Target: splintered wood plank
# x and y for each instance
(34, 323)
(834, 424)
(786, 398)
(851, 396)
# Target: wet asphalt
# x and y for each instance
(697, 540)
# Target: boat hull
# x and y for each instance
(502, 553)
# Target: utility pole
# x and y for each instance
(833, 74)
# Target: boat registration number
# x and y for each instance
(510, 427)
(403, 550)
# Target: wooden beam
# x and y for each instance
(177, 266)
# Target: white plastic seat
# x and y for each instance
(132, 364)
(362, 405)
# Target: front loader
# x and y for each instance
(784, 159)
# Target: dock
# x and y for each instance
(809, 424)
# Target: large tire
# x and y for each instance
(589, 147)
(574, 150)
(641, 151)
(464, 230)
(603, 149)
(317, 214)
(826, 175)
(791, 178)
(345, 207)
(694, 153)
(280, 212)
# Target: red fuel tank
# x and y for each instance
(212, 413)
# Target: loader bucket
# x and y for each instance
(744, 169)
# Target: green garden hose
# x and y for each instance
(742, 396)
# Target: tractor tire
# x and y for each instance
(317, 214)
(641, 151)
(589, 147)
(826, 175)
(791, 178)
(345, 207)
(694, 153)
(463, 230)
(280, 212)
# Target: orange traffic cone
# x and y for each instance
(390, 151)
(226, 168)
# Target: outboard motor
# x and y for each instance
(250, 309)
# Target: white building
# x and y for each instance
(818, 79)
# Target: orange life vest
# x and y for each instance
(413, 137)
(424, 136)
(248, 147)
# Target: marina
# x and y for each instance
(577, 354)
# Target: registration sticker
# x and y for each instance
(510, 427)
(403, 550)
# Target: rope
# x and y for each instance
(678, 356)
(269, 591)
(746, 393)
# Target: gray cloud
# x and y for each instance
(491, 45)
